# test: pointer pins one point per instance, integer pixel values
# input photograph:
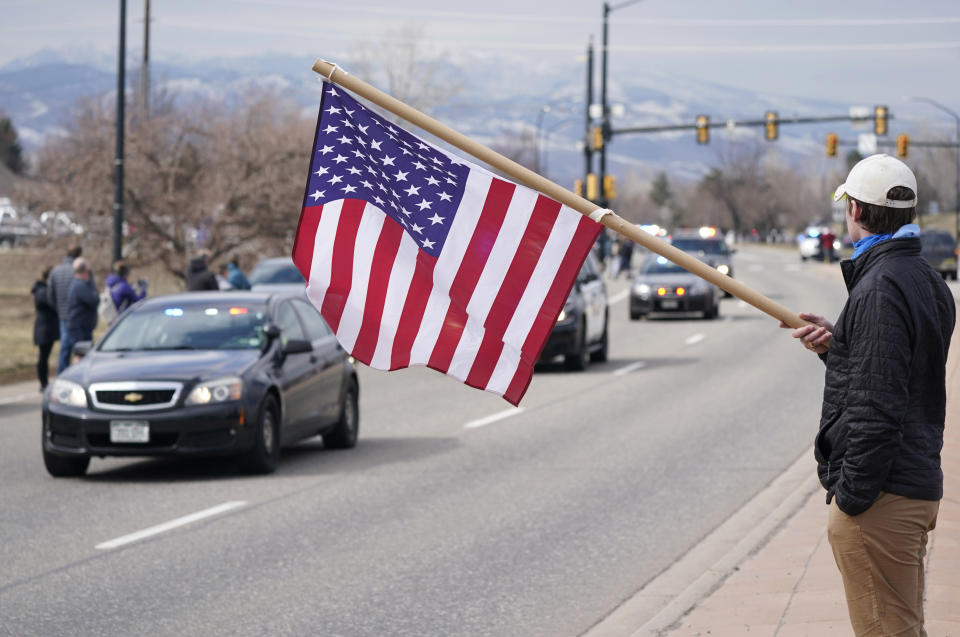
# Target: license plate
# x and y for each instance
(669, 305)
(949, 263)
(129, 431)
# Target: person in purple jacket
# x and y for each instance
(123, 294)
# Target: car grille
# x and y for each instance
(135, 395)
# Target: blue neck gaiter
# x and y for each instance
(861, 246)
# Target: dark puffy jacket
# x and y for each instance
(58, 286)
(885, 391)
(82, 301)
(46, 327)
(199, 277)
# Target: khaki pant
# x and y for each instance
(880, 555)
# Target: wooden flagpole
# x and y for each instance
(552, 190)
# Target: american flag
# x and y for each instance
(417, 257)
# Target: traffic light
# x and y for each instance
(703, 129)
(609, 187)
(903, 145)
(578, 187)
(832, 145)
(771, 126)
(593, 192)
(597, 137)
(880, 120)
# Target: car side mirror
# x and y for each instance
(80, 349)
(271, 331)
(297, 346)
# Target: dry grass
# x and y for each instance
(20, 268)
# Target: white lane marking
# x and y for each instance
(619, 296)
(630, 368)
(500, 415)
(172, 524)
(693, 340)
(13, 399)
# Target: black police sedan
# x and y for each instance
(663, 286)
(201, 374)
(581, 332)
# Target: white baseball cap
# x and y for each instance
(872, 178)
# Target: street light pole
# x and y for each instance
(605, 122)
(587, 149)
(118, 159)
(956, 139)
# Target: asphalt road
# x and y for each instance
(455, 515)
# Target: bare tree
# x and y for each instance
(196, 175)
(401, 65)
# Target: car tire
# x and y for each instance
(345, 432)
(580, 358)
(712, 312)
(265, 455)
(65, 466)
(635, 316)
(953, 275)
(600, 355)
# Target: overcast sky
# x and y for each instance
(861, 51)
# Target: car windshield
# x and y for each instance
(275, 272)
(660, 265)
(188, 326)
(707, 246)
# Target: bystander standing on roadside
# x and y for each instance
(826, 244)
(199, 276)
(122, 293)
(238, 280)
(46, 327)
(58, 285)
(884, 402)
(82, 302)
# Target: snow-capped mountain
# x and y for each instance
(499, 96)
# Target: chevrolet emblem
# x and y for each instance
(133, 397)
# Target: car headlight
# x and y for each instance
(723, 268)
(641, 289)
(65, 392)
(216, 391)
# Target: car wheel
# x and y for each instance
(635, 316)
(580, 358)
(712, 312)
(344, 434)
(265, 455)
(600, 355)
(65, 467)
(953, 275)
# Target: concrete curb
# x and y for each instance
(667, 598)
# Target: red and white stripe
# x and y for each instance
(480, 312)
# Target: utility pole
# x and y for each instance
(118, 159)
(145, 63)
(605, 115)
(587, 149)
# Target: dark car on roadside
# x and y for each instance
(581, 332)
(662, 286)
(276, 274)
(939, 248)
(708, 245)
(203, 374)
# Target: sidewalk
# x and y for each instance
(791, 586)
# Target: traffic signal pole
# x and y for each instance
(605, 116)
